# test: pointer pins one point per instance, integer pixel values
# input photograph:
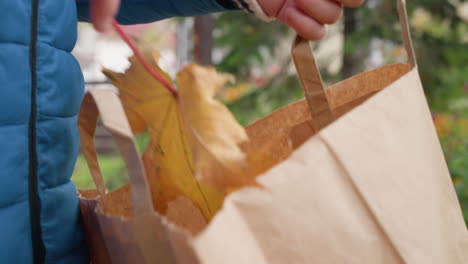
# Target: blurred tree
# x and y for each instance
(203, 39)
(439, 32)
(248, 47)
(350, 60)
(245, 41)
(440, 36)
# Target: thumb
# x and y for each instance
(102, 13)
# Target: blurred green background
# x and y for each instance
(257, 54)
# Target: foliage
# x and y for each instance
(261, 102)
(453, 133)
(245, 42)
(112, 167)
(440, 37)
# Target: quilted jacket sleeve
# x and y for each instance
(145, 11)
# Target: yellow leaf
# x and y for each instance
(191, 135)
(167, 159)
(214, 134)
(216, 137)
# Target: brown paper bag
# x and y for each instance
(363, 180)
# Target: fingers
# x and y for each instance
(305, 26)
(351, 3)
(308, 17)
(324, 11)
(102, 13)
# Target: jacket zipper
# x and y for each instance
(34, 201)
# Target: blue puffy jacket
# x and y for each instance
(41, 87)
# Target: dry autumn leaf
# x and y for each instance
(167, 159)
(215, 136)
(193, 134)
(213, 132)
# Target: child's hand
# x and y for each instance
(307, 17)
(102, 13)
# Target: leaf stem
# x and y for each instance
(142, 60)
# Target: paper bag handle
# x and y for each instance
(106, 103)
(406, 32)
(312, 84)
(311, 79)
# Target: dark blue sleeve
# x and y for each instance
(145, 11)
